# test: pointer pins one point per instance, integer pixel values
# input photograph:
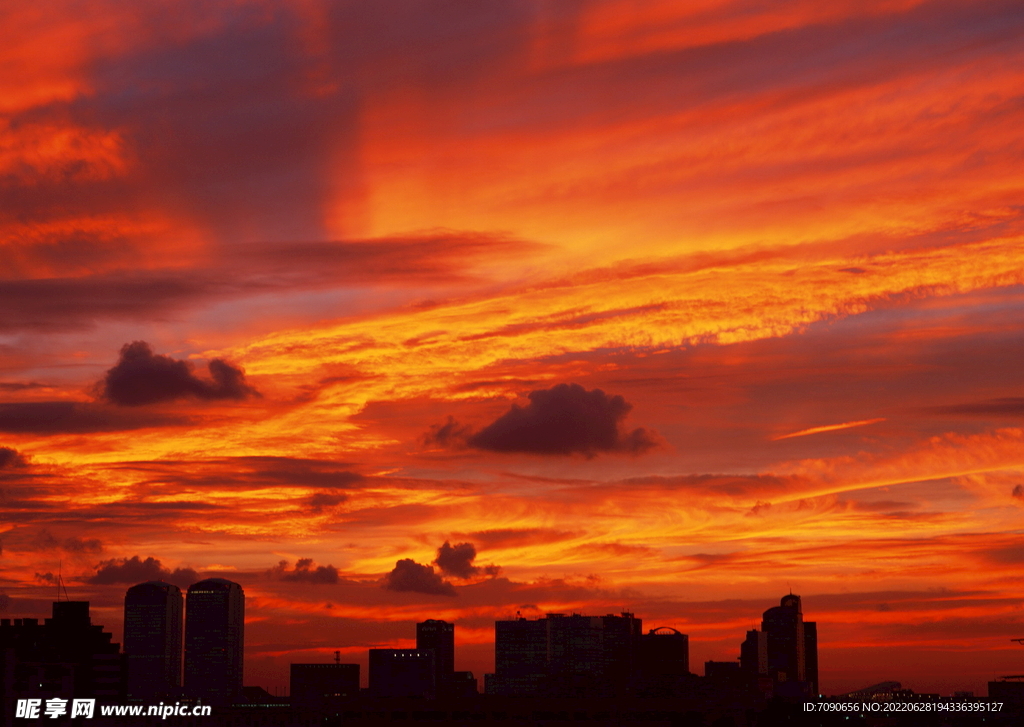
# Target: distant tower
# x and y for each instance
(438, 637)
(214, 623)
(152, 640)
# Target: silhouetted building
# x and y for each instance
(754, 653)
(65, 657)
(438, 637)
(402, 673)
(663, 661)
(724, 672)
(811, 654)
(214, 634)
(788, 657)
(520, 658)
(317, 687)
(464, 684)
(1010, 690)
(152, 640)
(565, 656)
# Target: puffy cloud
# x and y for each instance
(142, 377)
(304, 572)
(410, 576)
(457, 560)
(565, 419)
(135, 570)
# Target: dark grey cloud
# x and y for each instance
(250, 473)
(457, 560)
(320, 500)
(304, 572)
(61, 304)
(135, 570)
(565, 419)
(45, 540)
(141, 377)
(10, 458)
(412, 577)
(73, 417)
(241, 270)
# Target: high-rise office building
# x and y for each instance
(665, 651)
(152, 640)
(811, 654)
(66, 656)
(214, 634)
(790, 651)
(664, 661)
(402, 673)
(754, 653)
(784, 628)
(563, 655)
(438, 637)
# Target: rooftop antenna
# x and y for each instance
(337, 657)
(60, 582)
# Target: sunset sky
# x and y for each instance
(646, 305)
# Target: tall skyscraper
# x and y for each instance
(784, 627)
(152, 640)
(214, 635)
(792, 645)
(439, 638)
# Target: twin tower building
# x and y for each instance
(214, 635)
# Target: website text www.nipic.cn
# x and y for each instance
(86, 708)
